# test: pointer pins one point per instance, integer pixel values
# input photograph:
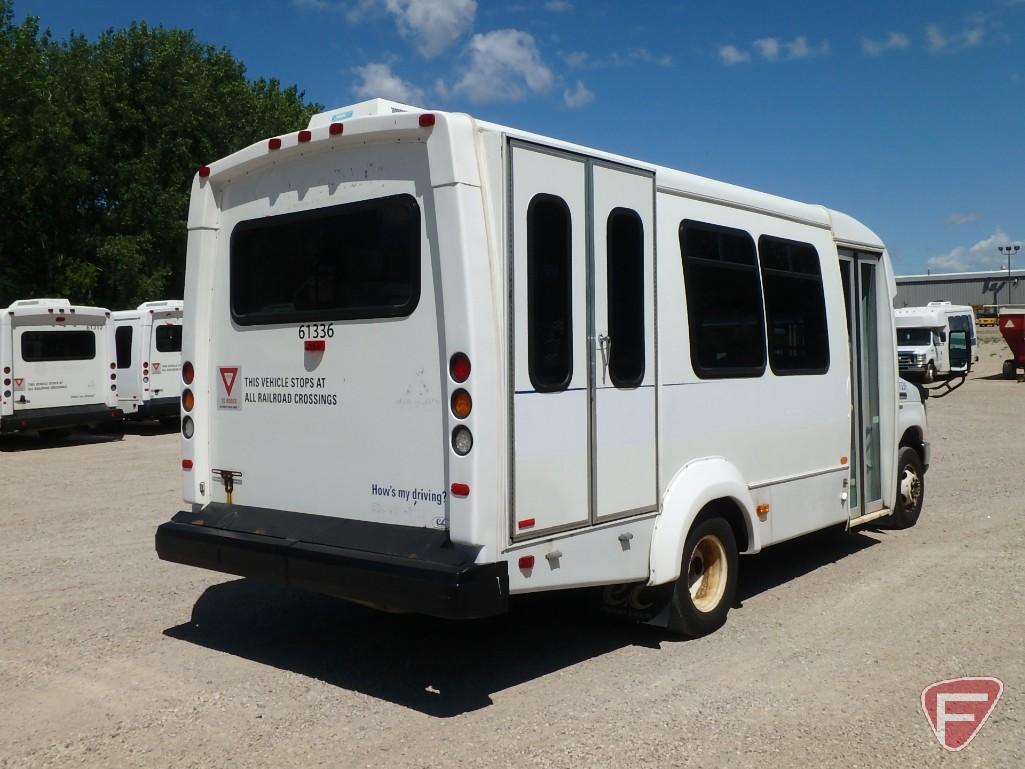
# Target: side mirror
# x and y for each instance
(960, 354)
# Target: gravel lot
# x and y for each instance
(110, 657)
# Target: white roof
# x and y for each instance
(23, 307)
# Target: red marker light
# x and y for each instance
(526, 562)
(315, 345)
(186, 464)
(188, 372)
(426, 120)
(204, 171)
(526, 523)
(459, 367)
(274, 144)
(461, 489)
(336, 129)
(59, 319)
(304, 136)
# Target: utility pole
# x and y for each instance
(1010, 251)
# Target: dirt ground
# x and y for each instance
(112, 658)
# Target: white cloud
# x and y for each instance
(584, 60)
(967, 217)
(432, 25)
(558, 6)
(576, 59)
(798, 48)
(578, 96)
(894, 41)
(504, 66)
(970, 36)
(768, 47)
(981, 256)
(730, 55)
(378, 81)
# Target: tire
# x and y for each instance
(707, 586)
(930, 373)
(1009, 369)
(910, 489)
(56, 433)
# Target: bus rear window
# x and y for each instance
(168, 338)
(351, 261)
(43, 346)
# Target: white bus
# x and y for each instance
(923, 339)
(58, 367)
(431, 362)
(149, 359)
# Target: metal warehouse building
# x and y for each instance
(961, 288)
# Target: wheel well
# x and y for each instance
(912, 438)
(729, 509)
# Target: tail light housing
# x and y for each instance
(459, 367)
(188, 373)
(188, 399)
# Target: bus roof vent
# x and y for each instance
(172, 304)
(368, 108)
(939, 304)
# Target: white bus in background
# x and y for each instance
(431, 362)
(149, 343)
(923, 338)
(58, 367)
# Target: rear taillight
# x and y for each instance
(188, 399)
(188, 373)
(188, 427)
(462, 440)
(459, 367)
(186, 464)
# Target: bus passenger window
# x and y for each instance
(123, 346)
(794, 306)
(549, 293)
(624, 242)
(724, 301)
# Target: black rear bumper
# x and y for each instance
(159, 408)
(378, 564)
(59, 418)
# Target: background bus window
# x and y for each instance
(123, 346)
(168, 338)
(43, 346)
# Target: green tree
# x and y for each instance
(101, 140)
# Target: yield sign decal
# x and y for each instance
(957, 708)
(1009, 324)
(19, 382)
(228, 376)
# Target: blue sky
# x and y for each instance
(908, 115)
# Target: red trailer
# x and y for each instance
(1011, 321)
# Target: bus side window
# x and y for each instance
(625, 243)
(795, 306)
(724, 301)
(549, 293)
(123, 346)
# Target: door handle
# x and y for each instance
(605, 345)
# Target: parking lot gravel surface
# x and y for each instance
(112, 658)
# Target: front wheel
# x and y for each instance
(1009, 369)
(910, 489)
(930, 373)
(704, 593)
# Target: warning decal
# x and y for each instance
(1009, 324)
(229, 389)
(19, 383)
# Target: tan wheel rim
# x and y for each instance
(707, 573)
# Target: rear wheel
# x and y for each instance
(704, 593)
(1008, 370)
(910, 488)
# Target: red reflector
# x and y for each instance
(336, 129)
(186, 464)
(305, 136)
(204, 171)
(526, 523)
(526, 562)
(59, 320)
(274, 144)
(113, 365)
(24, 424)
(461, 489)
(426, 120)
(315, 345)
